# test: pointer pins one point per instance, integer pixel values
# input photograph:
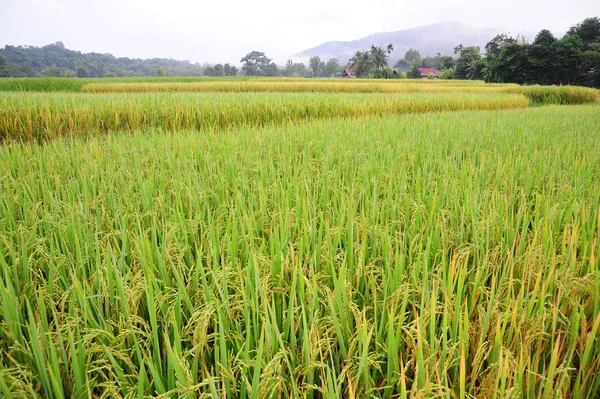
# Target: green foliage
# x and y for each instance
(9, 69)
(431, 62)
(447, 62)
(229, 70)
(567, 52)
(414, 73)
(160, 71)
(362, 63)
(366, 62)
(541, 58)
(296, 70)
(220, 70)
(590, 64)
(402, 65)
(379, 57)
(82, 72)
(56, 72)
(413, 56)
(449, 73)
(386, 73)
(315, 65)
(332, 67)
(494, 46)
(588, 31)
(256, 63)
(468, 64)
(569, 60)
(506, 60)
(389, 48)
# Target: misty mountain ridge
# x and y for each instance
(431, 39)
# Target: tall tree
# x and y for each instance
(332, 67)
(256, 63)
(379, 57)
(588, 30)
(58, 72)
(413, 56)
(219, 70)
(567, 52)
(295, 69)
(506, 60)
(229, 70)
(289, 68)
(209, 71)
(414, 73)
(3, 63)
(432, 62)
(362, 63)
(402, 65)
(315, 65)
(160, 71)
(468, 65)
(82, 72)
(446, 62)
(590, 63)
(300, 69)
(541, 58)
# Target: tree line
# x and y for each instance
(573, 59)
(57, 61)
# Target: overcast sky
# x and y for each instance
(225, 30)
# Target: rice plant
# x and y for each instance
(537, 94)
(299, 86)
(43, 116)
(432, 255)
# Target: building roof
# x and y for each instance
(426, 71)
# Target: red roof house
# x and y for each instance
(348, 73)
(426, 71)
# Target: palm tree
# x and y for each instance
(379, 56)
(361, 62)
(390, 48)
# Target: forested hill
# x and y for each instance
(56, 60)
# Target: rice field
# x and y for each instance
(299, 86)
(43, 116)
(76, 84)
(299, 244)
(537, 94)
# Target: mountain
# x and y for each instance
(429, 40)
(57, 60)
